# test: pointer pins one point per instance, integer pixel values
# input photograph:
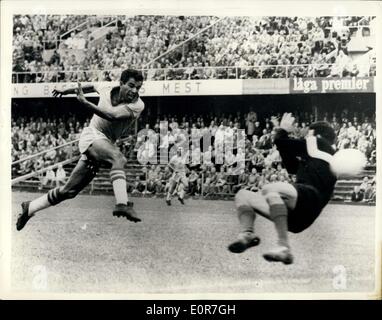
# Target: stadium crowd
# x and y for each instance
(262, 163)
(366, 191)
(30, 136)
(235, 47)
(262, 160)
(41, 31)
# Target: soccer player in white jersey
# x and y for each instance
(178, 181)
(118, 106)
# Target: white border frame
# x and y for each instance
(166, 7)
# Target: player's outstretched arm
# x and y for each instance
(59, 93)
(111, 114)
(288, 148)
(286, 122)
(282, 139)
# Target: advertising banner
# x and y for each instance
(331, 85)
(149, 88)
(216, 87)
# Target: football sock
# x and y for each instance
(39, 204)
(170, 192)
(247, 217)
(181, 192)
(118, 180)
(279, 215)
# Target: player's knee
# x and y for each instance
(241, 198)
(118, 160)
(268, 188)
(238, 197)
(273, 197)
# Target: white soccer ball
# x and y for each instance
(348, 162)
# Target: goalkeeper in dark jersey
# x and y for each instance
(291, 207)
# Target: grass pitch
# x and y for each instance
(81, 248)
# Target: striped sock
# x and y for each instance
(247, 218)
(181, 191)
(54, 196)
(279, 215)
(118, 180)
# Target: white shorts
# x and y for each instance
(88, 136)
(179, 177)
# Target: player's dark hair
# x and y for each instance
(131, 73)
(324, 129)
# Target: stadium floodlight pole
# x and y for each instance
(183, 42)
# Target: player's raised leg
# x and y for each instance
(280, 196)
(171, 188)
(272, 203)
(181, 191)
(247, 204)
(82, 174)
(104, 150)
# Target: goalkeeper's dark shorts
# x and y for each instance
(308, 207)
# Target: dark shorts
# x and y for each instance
(308, 208)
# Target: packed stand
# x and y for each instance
(32, 135)
(32, 35)
(316, 45)
(236, 47)
(134, 42)
(262, 160)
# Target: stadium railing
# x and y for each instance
(185, 73)
(39, 172)
(45, 151)
(70, 159)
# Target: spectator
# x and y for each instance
(369, 193)
(250, 48)
(364, 184)
(242, 182)
(221, 181)
(251, 119)
(138, 186)
(193, 183)
(60, 176)
(210, 181)
(50, 178)
(265, 141)
(257, 131)
(253, 180)
(33, 134)
(357, 195)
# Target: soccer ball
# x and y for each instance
(348, 162)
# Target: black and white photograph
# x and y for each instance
(166, 149)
